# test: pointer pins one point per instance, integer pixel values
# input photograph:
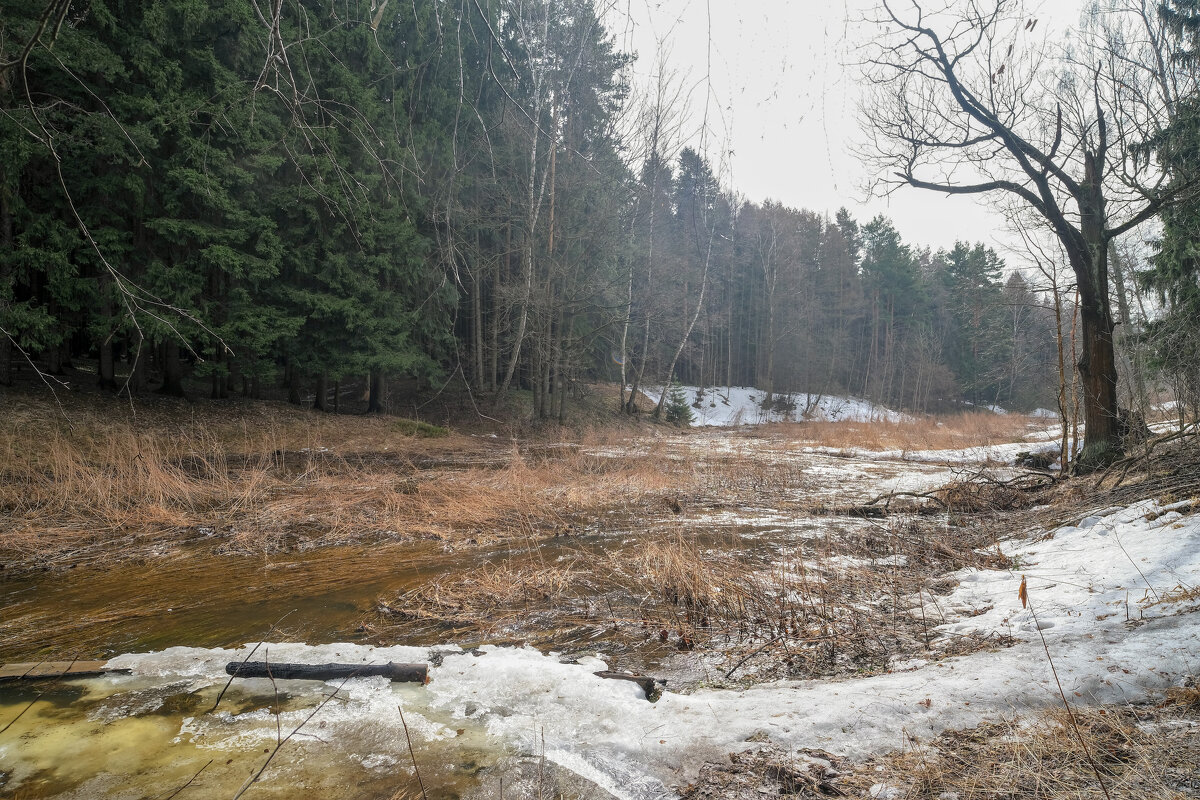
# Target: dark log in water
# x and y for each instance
(406, 673)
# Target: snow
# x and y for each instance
(740, 405)
(1114, 597)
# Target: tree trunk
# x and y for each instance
(6, 243)
(1097, 360)
(137, 365)
(411, 673)
(107, 368)
(375, 398)
(6, 350)
(1128, 337)
(1098, 375)
(321, 401)
(292, 377)
(172, 384)
(476, 328)
(688, 332)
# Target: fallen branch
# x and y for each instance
(1191, 429)
(648, 684)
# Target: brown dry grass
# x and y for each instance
(846, 603)
(949, 432)
(271, 477)
(1140, 751)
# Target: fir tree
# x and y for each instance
(677, 410)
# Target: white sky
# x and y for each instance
(784, 96)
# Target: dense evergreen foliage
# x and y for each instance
(369, 191)
(1175, 272)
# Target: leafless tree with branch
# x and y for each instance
(972, 98)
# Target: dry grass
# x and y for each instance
(1140, 752)
(844, 604)
(271, 477)
(950, 432)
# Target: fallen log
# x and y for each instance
(404, 673)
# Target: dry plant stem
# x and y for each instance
(37, 697)
(190, 781)
(734, 668)
(248, 657)
(254, 778)
(413, 755)
(1070, 714)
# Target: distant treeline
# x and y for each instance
(281, 196)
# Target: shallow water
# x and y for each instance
(148, 735)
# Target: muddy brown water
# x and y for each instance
(196, 597)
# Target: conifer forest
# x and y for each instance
(599, 400)
(264, 198)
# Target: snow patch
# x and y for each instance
(741, 405)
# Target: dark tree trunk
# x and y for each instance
(1097, 365)
(54, 360)
(412, 673)
(6, 243)
(107, 370)
(292, 377)
(1098, 378)
(375, 397)
(172, 384)
(321, 401)
(6, 350)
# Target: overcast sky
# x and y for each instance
(784, 100)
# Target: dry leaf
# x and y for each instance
(1023, 593)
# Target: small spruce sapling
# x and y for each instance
(678, 411)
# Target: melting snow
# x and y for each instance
(1114, 596)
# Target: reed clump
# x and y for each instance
(268, 478)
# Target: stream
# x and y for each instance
(488, 723)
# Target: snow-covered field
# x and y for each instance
(1114, 596)
(724, 406)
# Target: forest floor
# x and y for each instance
(755, 572)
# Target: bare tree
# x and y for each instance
(973, 99)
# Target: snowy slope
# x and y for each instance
(740, 405)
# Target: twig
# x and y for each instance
(752, 655)
(191, 780)
(254, 779)
(1023, 593)
(412, 755)
(248, 657)
(37, 697)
